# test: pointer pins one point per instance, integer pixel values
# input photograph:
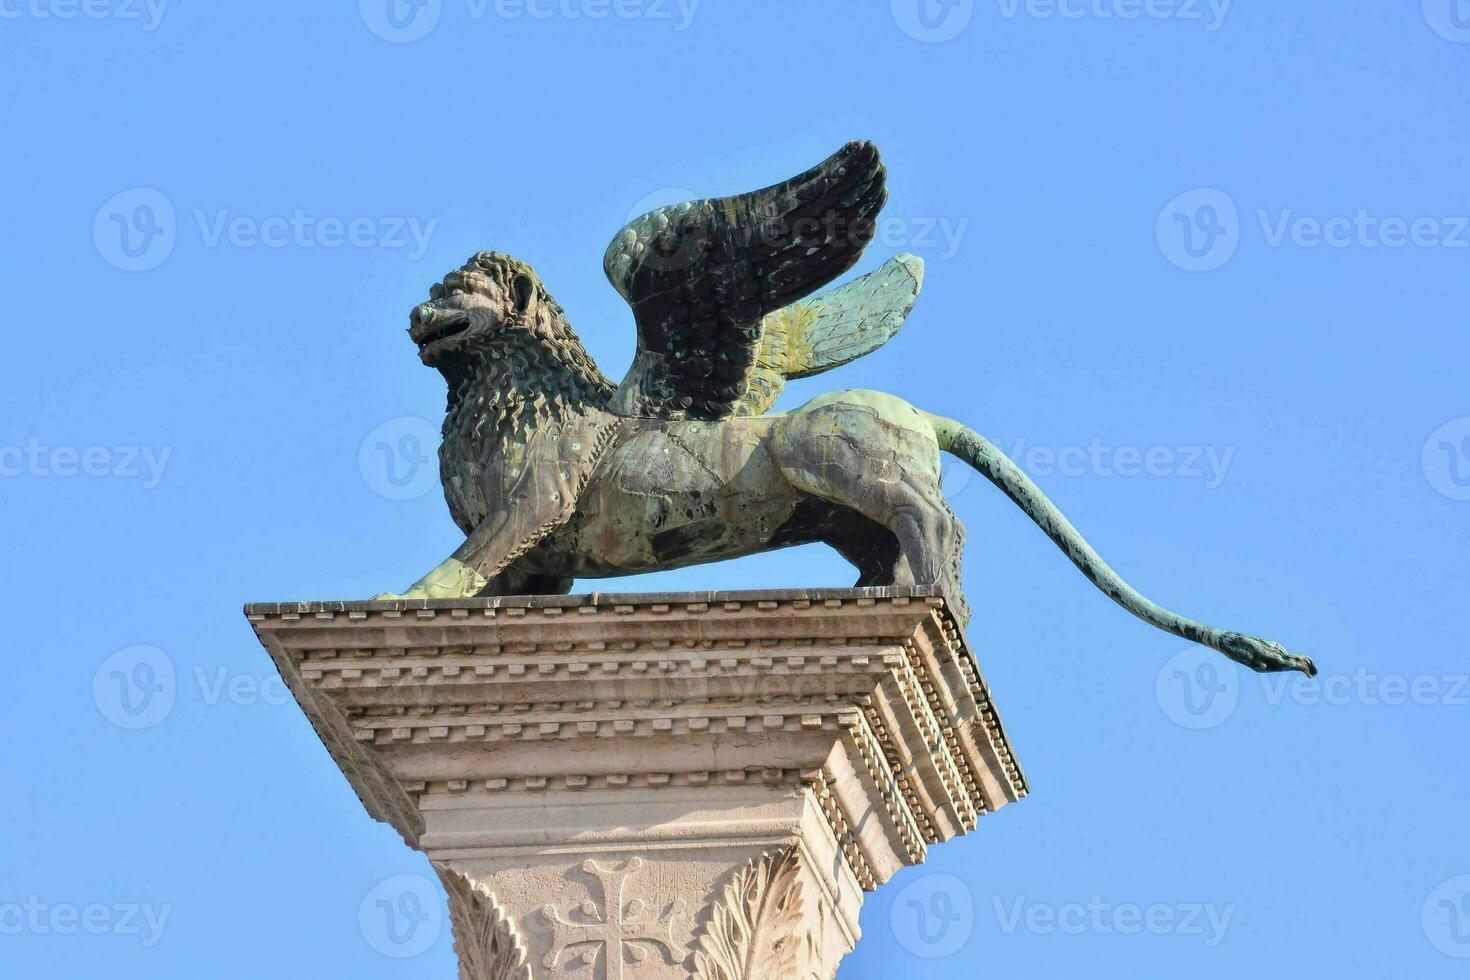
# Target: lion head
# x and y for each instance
(502, 342)
(479, 304)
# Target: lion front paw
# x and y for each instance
(451, 580)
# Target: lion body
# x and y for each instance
(856, 470)
(553, 476)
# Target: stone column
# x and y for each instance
(653, 786)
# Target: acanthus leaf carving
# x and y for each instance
(489, 945)
(758, 928)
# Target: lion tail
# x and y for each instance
(965, 443)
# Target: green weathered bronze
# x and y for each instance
(555, 473)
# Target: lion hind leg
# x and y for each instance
(889, 475)
(932, 540)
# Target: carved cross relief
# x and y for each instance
(623, 932)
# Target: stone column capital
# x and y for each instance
(658, 785)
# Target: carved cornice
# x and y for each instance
(883, 674)
(821, 788)
(980, 693)
(656, 780)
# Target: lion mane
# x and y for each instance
(535, 374)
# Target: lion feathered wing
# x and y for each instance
(720, 290)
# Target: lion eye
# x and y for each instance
(436, 291)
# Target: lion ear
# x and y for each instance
(524, 289)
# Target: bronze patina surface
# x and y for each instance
(554, 473)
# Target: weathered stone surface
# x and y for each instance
(692, 784)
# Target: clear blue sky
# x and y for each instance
(1204, 267)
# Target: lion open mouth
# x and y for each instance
(431, 323)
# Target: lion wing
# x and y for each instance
(832, 328)
(702, 277)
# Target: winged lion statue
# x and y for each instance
(554, 473)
